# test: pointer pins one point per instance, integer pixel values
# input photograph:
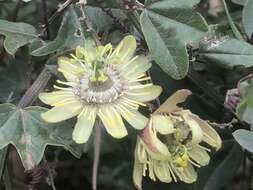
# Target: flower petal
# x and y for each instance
(138, 170)
(189, 174)
(56, 97)
(70, 68)
(141, 151)
(211, 137)
(163, 124)
(186, 174)
(104, 50)
(162, 171)
(145, 93)
(84, 126)
(112, 122)
(133, 117)
(199, 155)
(80, 52)
(135, 67)
(196, 131)
(61, 113)
(170, 105)
(125, 50)
(155, 148)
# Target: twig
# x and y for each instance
(97, 144)
(45, 11)
(88, 23)
(60, 9)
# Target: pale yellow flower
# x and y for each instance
(171, 145)
(105, 82)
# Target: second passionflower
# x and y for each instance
(173, 143)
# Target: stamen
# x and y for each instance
(140, 86)
(66, 101)
(79, 61)
(172, 172)
(136, 93)
(116, 51)
(204, 148)
(130, 106)
(126, 111)
(134, 101)
(127, 64)
(72, 84)
(106, 48)
(193, 163)
(62, 88)
(62, 93)
(131, 103)
(140, 79)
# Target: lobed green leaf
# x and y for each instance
(16, 35)
(24, 129)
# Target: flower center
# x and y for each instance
(182, 130)
(106, 90)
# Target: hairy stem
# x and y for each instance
(88, 23)
(60, 9)
(97, 144)
(97, 138)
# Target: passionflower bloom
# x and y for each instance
(173, 144)
(105, 82)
